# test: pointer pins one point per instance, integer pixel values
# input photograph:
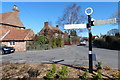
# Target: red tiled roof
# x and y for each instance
(15, 34)
(54, 29)
(11, 18)
(4, 16)
(3, 31)
(104, 35)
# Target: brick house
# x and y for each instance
(50, 31)
(13, 32)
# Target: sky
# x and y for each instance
(34, 14)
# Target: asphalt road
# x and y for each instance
(77, 55)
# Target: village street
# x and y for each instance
(77, 55)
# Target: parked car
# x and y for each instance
(7, 50)
(83, 42)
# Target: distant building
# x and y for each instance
(13, 32)
(50, 31)
(102, 36)
(95, 37)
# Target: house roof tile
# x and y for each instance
(11, 18)
(55, 29)
(15, 34)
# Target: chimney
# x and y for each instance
(46, 24)
(57, 26)
(15, 9)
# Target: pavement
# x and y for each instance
(72, 55)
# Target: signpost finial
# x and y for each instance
(87, 9)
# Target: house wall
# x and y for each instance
(19, 46)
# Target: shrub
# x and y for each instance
(38, 43)
(53, 68)
(109, 42)
(33, 72)
(53, 41)
(107, 68)
(51, 73)
(63, 72)
(98, 76)
(40, 40)
(85, 75)
(99, 65)
(21, 70)
(115, 44)
(59, 42)
(38, 47)
(100, 43)
(5, 79)
(116, 75)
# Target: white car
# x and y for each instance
(83, 42)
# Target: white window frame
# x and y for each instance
(11, 43)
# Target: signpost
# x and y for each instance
(88, 26)
(75, 26)
(104, 21)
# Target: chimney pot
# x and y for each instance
(15, 8)
(46, 23)
(57, 26)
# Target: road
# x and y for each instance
(77, 55)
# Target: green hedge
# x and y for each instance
(38, 47)
(43, 43)
(56, 42)
(108, 43)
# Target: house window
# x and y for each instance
(56, 34)
(12, 43)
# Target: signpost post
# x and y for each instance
(88, 26)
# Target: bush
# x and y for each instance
(38, 47)
(109, 42)
(63, 72)
(56, 42)
(115, 44)
(107, 68)
(38, 43)
(116, 75)
(100, 43)
(53, 41)
(99, 66)
(59, 42)
(42, 40)
(85, 75)
(33, 72)
(51, 73)
(98, 76)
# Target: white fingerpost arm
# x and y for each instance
(75, 26)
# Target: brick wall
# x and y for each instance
(19, 46)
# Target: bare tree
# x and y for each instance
(117, 16)
(71, 15)
(113, 32)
